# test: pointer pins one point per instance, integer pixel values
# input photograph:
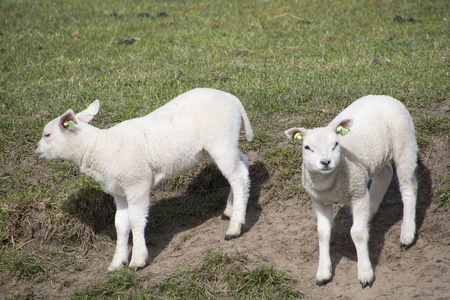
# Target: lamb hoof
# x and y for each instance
(137, 267)
(230, 237)
(322, 282)
(225, 217)
(113, 268)
(364, 284)
(406, 246)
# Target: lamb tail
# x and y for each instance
(247, 125)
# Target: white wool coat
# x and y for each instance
(375, 135)
(166, 142)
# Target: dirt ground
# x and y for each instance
(282, 233)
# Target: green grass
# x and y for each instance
(221, 275)
(117, 284)
(442, 197)
(26, 266)
(59, 55)
(217, 276)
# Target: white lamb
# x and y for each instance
(131, 158)
(339, 161)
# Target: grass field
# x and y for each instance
(289, 62)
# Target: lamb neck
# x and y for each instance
(320, 181)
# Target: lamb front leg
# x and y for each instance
(120, 259)
(324, 215)
(138, 207)
(360, 236)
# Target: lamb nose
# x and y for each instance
(325, 162)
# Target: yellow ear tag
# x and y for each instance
(297, 136)
(90, 111)
(342, 131)
(71, 124)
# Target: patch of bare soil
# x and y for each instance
(282, 233)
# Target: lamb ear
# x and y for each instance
(295, 133)
(67, 120)
(342, 127)
(89, 113)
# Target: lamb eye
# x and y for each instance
(307, 147)
(46, 135)
(337, 143)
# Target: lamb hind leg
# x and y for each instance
(408, 188)
(405, 158)
(380, 184)
(229, 209)
(230, 163)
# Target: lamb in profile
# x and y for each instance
(132, 157)
(339, 161)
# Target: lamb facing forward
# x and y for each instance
(338, 165)
(131, 158)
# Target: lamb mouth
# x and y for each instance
(39, 153)
(326, 170)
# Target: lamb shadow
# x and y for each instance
(389, 214)
(93, 208)
(204, 198)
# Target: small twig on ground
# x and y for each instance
(294, 17)
(23, 244)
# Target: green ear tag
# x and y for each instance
(297, 136)
(342, 131)
(90, 111)
(71, 124)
